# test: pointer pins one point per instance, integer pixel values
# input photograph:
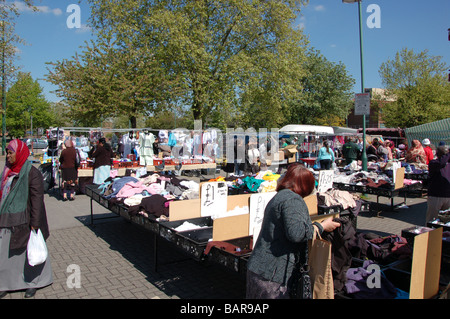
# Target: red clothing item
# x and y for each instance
(428, 153)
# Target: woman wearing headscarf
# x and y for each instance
(389, 148)
(416, 154)
(22, 210)
(101, 154)
(69, 170)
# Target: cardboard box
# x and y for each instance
(276, 157)
(289, 153)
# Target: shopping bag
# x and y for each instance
(320, 267)
(36, 249)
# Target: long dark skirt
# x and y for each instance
(261, 288)
(69, 179)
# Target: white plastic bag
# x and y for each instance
(37, 249)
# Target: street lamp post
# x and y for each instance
(364, 154)
(3, 89)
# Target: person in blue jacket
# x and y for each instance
(325, 156)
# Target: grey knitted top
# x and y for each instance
(285, 230)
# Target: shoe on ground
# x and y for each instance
(30, 292)
(3, 294)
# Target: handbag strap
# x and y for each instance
(316, 233)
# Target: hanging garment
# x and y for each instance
(341, 255)
(146, 140)
(126, 142)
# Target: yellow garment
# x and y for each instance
(268, 186)
(271, 177)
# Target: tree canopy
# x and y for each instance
(418, 87)
(228, 62)
(25, 103)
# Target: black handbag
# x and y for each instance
(300, 282)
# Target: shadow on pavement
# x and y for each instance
(177, 275)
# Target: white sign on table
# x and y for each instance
(258, 203)
(395, 167)
(362, 104)
(213, 199)
(325, 182)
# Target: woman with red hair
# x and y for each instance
(22, 210)
(285, 231)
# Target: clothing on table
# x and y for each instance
(357, 287)
(156, 205)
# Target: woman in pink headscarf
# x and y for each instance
(22, 210)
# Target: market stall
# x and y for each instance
(220, 223)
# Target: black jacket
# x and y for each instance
(438, 186)
(101, 155)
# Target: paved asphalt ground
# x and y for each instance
(115, 257)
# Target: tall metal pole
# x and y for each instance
(364, 154)
(3, 90)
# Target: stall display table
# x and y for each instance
(193, 243)
(309, 161)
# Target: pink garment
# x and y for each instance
(132, 188)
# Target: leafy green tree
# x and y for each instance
(213, 56)
(327, 92)
(25, 102)
(417, 86)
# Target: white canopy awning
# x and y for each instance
(307, 129)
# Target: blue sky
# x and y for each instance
(332, 28)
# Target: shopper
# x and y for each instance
(285, 231)
(350, 151)
(428, 150)
(22, 210)
(416, 154)
(325, 156)
(438, 185)
(101, 154)
(239, 155)
(69, 170)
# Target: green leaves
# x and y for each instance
(231, 63)
(417, 86)
(25, 100)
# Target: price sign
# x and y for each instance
(362, 104)
(325, 180)
(258, 203)
(213, 199)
